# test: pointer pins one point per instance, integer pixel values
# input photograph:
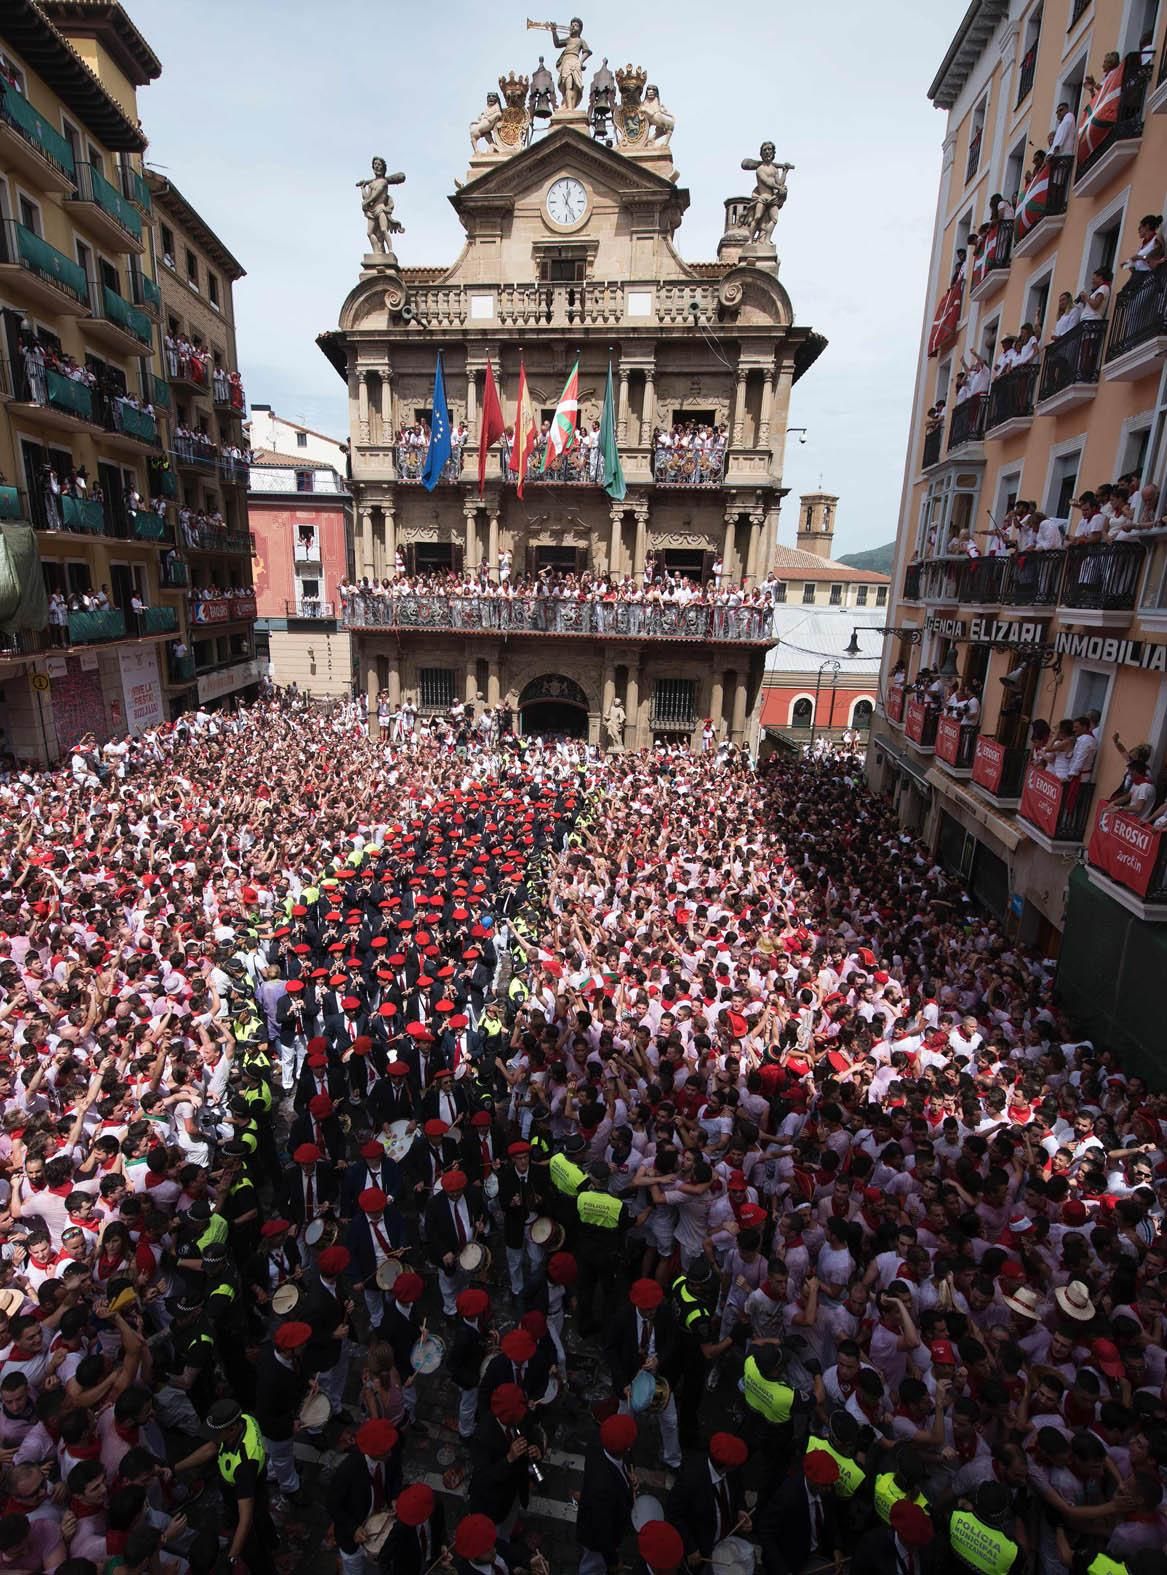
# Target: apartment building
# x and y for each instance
(1060, 108)
(89, 496)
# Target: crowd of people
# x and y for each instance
(333, 1069)
(689, 452)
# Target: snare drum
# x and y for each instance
(550, 1394)
(376, 1530)
(387, 1274)
(733, 1556)
(320, 1233)
(474, 1259)
(398, 1141)
(427, 1354)
(547, 1234)
(490, 1186)
(285, 1299)
(315, 1411)
(646, 1508)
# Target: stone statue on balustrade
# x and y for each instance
(614, 726)
(768, 196)
(483, 128)
(660, 122)
(574, 55)
(377, 206)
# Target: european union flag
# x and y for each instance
(441, 446)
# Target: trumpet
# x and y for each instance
(544, 26)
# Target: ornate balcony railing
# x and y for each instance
(933, 445)
(25, 249)
(1025, 75)
(1011, 395)
(173, 574)
(144, 292)
(159, 392)
(1074, 358)
(114, 308)
(131, 422)
(411, 463)
(995, 255)
(1033, 579)
(39, 133)
(683, 467)
(180, 669)
(136, 188)
(1103, 575)
(157, 620)
(233, 471)
(974, 154)
(225, 393)
(93, 187)
(195, 455)
(23, 642)
(968, 421)
(85, 516)
(1128, 123)
(213, 538)
(550, 615)
(1140, 313)
(912, 583)
(190, 369)
(309, 607)
(1045, 197)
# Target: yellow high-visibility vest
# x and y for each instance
(597, 1208)
(566, 1176)
(250, 1446)
(888, 1493)
(769, 1397)
(979, 1546)
(851, 1474)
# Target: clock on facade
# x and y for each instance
(567, 201)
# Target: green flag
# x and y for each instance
(613, 471)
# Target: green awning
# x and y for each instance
(23, 601)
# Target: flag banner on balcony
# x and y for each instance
(1125, 849)
(492, 425)
(944, 324)
(526, 431)
(612, 472)
(1101, 114)
(1033, 204)
(563, 435)
(24, 602)
(441, 445)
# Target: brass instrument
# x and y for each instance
(547, 27)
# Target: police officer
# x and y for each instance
(694, 1297)
(567, 1175)
(237, 1448)
(904, 1480)
(979, 1538)
(228, 1316)
(776, 1411)
(601, 1223)
(840, 1440)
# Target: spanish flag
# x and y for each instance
(526, 431)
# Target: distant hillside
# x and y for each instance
(878, 559)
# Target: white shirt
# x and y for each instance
(1065, 136)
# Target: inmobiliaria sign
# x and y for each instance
(1125, 849)
(989, 765)
(1041, 800)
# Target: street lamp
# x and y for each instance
(910, 633)
(835, 665)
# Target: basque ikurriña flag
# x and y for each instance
(1101, 114)
(1034, 201)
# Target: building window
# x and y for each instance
(30, 215)
(778, 590)
(802, 712)
(304, 481)
(674, 703)
(976, 139)
(213, 290)
(12, 71)
(435, 688)
(861, 596)
(301, 440)
(881, 595)
(563, 270)
(167, 235)
(1036, 301)
(192, 269)
(808, 594)
(836, 595)
(1063, 483)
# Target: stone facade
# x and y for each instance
(713, 342)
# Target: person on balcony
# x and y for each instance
(1000, 209)
(58, 619)
(1054, 754)
(1069, 316)
(1028, 346)
(1149, 254)
(1006, 356)
(1080, 767)
(1050, 536)
(1063, 139)
(979, 374)
(1092, 526)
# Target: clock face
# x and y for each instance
(566, 201)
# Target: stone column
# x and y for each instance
(717, 703)
(470, 514)
(472, 404)
(492, 545)
(622, 407)
(739, 406)
(368, 557)
(728, 546)
(738, 723)
(632, 738)
(648, 418)
(387, 428)
(608, 692)
(641, 552)
(394, 685)
(616, 512)
(767, 404)
(390, 539)
(493, 681)
(372, 690)
(757, 527)
(363, 405)
(471, 680)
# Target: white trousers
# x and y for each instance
(281, 1464)
(670, 1437)
(450, 1283)
(515, 1255)
(375, 1305)
(292, 1059)
(467, 1413)
(333, 1381)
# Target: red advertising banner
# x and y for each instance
(1125, 849)
(948, 740)
(207, 611)
(915, 719)
(988, 764)
(1041, 799)
(243, 606)
(895, 703)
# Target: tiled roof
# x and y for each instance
(810, 635)
(793, 563)
(268, 456)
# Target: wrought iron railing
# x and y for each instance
(309, 607)
(83, 516)
(148, 526)
(23, 642)
(1140, 313)
(195, 455)
(173, 574)
(132, 422)
(93, 187)
(184, 368)
(180, 669)
(1061, 810)
(225, 393)
(956, 742)
(1025, 76)
(684, 467)
(550, 615)
(968, 421)
(1053, 180)
(235, 472)
(920, 719)
(912, 583)
(1011, 395)
(1077, 9)
(136, 188)
(1033, 579)
(974, 154)
(1074, 358)
(1102, 575)
(12, 504)
(144, 292)
(996, 253)
(933, 445)
(1128, 122)
(213, 538)
(91, 626)
(160, 392)
(999, 768)
(411, 462)
(107, 304)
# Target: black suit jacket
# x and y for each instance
(402, 1551)
(495, 1481)
(441, 1232)
(604, 1516)
(623, 1347)
(783, 1528)
(359, 1242)
(304, 1131)
(501, 1370)
(519, 1196)
(692, 1506)
(325, 1312)
(325, 1187)
(875, 1554)
(467, 1349)
(335, 1085)
(279, 1393)
(356, 1178)
(349, 1497)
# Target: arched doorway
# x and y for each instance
(554, 707)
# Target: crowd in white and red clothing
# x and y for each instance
(811, 1138)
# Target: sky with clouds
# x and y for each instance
(268, 112)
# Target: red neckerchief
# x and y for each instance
(84, 1451)
(128, 1432)
(84, 1511)
(965, 1452)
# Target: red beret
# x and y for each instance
(334, 1261)
(372, 1151)
(294, 986)
(271, 1228)
(480, 1119)
(562, 1268)
(535, 1323)
(398, 1069)
(435, 1128)
(646, 1295)
(372, 1201)
(660, 1546)
(911, 1524)
(618, 1434)
(514, 1150)
(518, 1345)
(415, 1504)
(351, 1003)
(728, 1450)
(408, 1288)
(387, 1009)
(291, 1336)
(307, 1154)
(508, 1403)
(472, 1302)
(376, 1436)
(317, 1045)
(819, 1468)
(320, 1106)
(454, 1181)
(475, 1537)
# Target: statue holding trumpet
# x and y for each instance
(574, 55)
